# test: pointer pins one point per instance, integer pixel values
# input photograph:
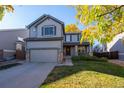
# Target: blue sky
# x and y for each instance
(24, 15)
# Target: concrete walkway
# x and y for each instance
(28, 75)
(67, 62)
(117, 62)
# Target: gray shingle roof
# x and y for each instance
(44, 39)
(76, 43)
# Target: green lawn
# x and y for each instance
(86, 74)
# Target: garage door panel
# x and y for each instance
(44, 55)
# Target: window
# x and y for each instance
(67, 38)
(70, 37)
(78, 37)
(48, 30)
(74, 38)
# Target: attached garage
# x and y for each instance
(44, 49)
(44, 55)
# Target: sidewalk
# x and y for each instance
(67, 62)
(117, 62)
(10, 62)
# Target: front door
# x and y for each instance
(68, 51)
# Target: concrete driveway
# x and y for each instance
(28, 75)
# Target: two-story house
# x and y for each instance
(48, 41)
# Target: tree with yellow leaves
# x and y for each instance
(92, 31)
(4, 9)
(71, 28)
(107, 19)
(102, 22)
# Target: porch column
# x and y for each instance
(85, 49)
(76, 50)
(90, 50)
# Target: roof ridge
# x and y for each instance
(43, 16)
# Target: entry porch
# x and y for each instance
(76, 49)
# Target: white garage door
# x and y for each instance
(49, 55)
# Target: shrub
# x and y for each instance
(88, 58)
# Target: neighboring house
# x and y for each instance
(8, 41)
(8, 37)
(47, 41)
(117, 44)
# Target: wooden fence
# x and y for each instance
(109, 55)
(6, 55)
(1, 54)
(9, 54)
(20, 54)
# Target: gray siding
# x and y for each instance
(37, 33)
(72, 37)
(44, 44)
(9, 37)
(118, 46)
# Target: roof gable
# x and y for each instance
(42, 18)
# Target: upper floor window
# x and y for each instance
(48, 30)
(72, 38)
(67, 38)
(78, 37)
